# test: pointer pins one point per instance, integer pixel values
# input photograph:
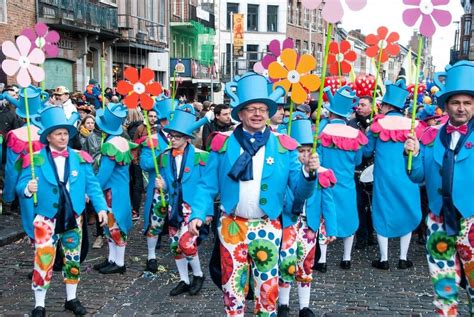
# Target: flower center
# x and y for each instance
(40, 42)
(24, 62)
(426, 7)
(383, 44)
(139, 88)
(293, 76)
(339, 57)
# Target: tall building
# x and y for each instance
(463, 48)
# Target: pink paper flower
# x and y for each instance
(43, 39)
(23, 62)
(426, 8)
(333, 10)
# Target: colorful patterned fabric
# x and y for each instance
(45, 242)
(183, 244)
(322, 235)
(158, 215)
(288, 254)
(112, 230)
(249, 247)
(445, 256)
(306, 239)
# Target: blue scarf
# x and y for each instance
(242, 170)
(448, 210)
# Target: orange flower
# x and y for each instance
(294, 75)
(340, 55)
(382, 44)
(233, 231)
(43, 232)
(44, 257)
(139, 89)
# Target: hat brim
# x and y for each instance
(70, 128)
(444, 97)
(102, 126)
(345, 115)
(272, 107)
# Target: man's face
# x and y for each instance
(224, 116)
(460, 108)
(364, 108)
(304, 151)
(254, 116)
(152, 118)
(58, 139)
(60, 99)
(13, 94)
(278, 117)
(178, 140)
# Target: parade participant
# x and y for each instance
(341, 151)
(365, 232)
(219, 122)
(301, 222)
(17, 146)
(61, 96)
(250, 168)
(164, 107)
(113, 176)
(450, 222)
(63, 177)
(396, 200)
(181, 167)
(276, 122)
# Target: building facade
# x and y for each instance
(463, 48)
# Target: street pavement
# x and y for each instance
(361, 291)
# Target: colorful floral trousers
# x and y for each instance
(445, 256)
(45, 252)
(158, 215)
(112, 230)
(249, 247)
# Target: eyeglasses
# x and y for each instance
(174, 136)
(255, 110)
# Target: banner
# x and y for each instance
(238, 32)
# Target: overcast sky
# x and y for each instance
(389, 13)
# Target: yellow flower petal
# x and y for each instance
(277, 71)
(298, 94)
(306, 64)
(310, 82)
(288, 58)
(285, 84)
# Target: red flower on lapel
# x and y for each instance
(468, 145)
(186, 169)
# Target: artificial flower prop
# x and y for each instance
(275, 48)
(364, 85)
(340, 57)
(333, 82)
(426, 9)
(333, 10)
(44, 39)
(23, 61)
(139, 88)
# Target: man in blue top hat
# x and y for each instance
(341, 151)
(447, 168)
(63, 178)
(396, 206)
(251, 169)
(181, 167)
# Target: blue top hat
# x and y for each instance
(281, 101)
(110, 118)
(459, 79)
(36, 100)
(250, 88)
(52, 118)
(164, 107)
(301, 129)
(428, 112)
(343, 102)
(184, 121)
(396, 94)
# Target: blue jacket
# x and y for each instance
(82, 181)
(426, 166)
(146, 163)
(281, 169)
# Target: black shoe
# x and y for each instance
(321, 267)
(181, 288)
(113, 268)
(381, 265)
(76, 307)
(404, 264)
(283, 311)
(345, 265)
(152, 265)
(361, 244)
(306, 312)
(38, 312)
(196, 285)
(101, 265)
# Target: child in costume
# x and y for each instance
(63, 177)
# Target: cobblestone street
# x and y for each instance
(361, 291)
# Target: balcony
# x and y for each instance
(142, 30)
(204, 17)
(80, 15)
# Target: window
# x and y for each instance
(298, 46)
(252, 56)
(307, 17)
(252, 17)
(290, 12)
(152, 16)
(467, 27)
(305, 47)
(162, 20)
(3, 11)
(231, 7)
(272, 18)
(298, 13)
(465, 47)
